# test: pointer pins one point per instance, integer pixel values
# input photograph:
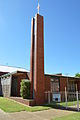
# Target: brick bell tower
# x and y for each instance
(37, 59)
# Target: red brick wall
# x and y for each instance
(32, 57)
(28, 75)
(47, 83)
(39, 60)
(20, 77)
(78, 85)
(63, 83)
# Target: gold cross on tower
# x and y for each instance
(38, 8)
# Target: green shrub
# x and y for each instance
(25, 89)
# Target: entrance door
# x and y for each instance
(0, 90)
(14, 88)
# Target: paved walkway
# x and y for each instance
(5, 116)
(40, 115)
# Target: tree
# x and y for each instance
(77, 75)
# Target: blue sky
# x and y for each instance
(61, 34)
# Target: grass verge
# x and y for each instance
(75, 116)
(8, 105)
(62, 104)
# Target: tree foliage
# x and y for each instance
(77, 75)
(25, 89)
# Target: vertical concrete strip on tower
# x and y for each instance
(39, 60)
(32, 58)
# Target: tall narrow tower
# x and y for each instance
(32, 57)
(37, 59)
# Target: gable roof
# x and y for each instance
(9, 69)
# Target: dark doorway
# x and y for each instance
(14, 88)
(0, 88)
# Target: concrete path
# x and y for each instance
(40, 115)
(5, 116)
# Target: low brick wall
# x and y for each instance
(23, 101)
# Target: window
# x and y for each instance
(55, 85)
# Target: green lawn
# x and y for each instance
(75, 116)
(69, 103)
(8, 105)
(62, 104)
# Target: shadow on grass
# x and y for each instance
(56, 105)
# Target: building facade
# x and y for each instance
(41, 83)
(55, 84)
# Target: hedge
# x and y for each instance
(25, 89)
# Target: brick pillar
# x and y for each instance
(32, 57)
(39, 60)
